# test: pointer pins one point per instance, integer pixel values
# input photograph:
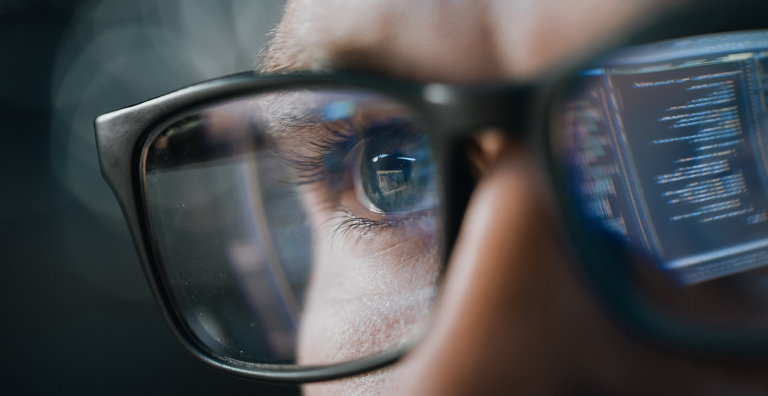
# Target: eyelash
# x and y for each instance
(351, 223)
(330, 152)
(333, 147)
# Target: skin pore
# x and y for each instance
(513, 317)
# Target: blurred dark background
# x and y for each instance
(78, 316)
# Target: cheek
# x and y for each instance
(369, 290)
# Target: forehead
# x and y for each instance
(445, 40)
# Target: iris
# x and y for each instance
(396, 174)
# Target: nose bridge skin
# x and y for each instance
(514, 317)
(495, 283)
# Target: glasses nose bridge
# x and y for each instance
(462, 111)
(462, 115)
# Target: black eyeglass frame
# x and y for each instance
(452, 113)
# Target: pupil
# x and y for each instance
(392, 173)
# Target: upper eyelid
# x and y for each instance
(291, 112)
(329, 147)
(338, 132)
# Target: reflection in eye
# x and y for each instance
(395, 174)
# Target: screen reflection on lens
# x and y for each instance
(664, 148)
(297, 227)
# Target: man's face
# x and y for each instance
(513, 315)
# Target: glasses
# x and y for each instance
(297, 227)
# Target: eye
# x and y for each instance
(395, 174)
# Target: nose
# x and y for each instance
(492, 331)
(514, 316)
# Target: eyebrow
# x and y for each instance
(279, 57)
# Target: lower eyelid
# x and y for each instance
(419, 229)
(391, 220)
(347, 221)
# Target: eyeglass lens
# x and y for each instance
(297, 226)
(665, 148)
